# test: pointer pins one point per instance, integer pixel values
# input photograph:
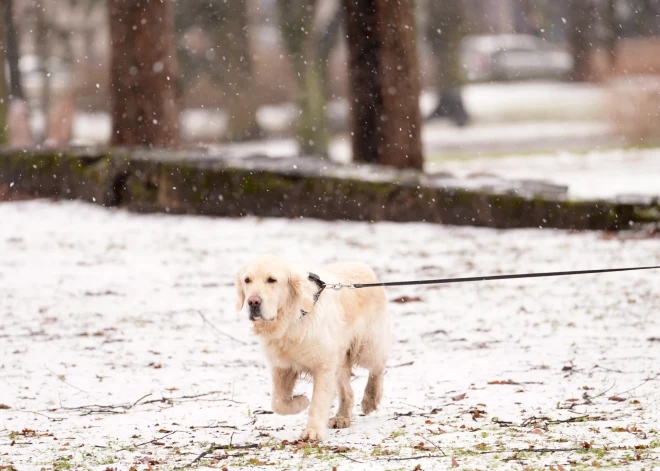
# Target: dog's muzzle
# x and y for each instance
(255, 307)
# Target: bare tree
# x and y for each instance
(228, 64)
(384, 84)
(143, 78)
(4, 95)
(234, 50)
(579, 37)
(11, 51)
(300, 39)
(611, 32)
(445, 28)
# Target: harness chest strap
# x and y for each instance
(318, 282)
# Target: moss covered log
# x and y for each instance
(199, 183)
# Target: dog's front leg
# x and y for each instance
(319, 411)
(284, 380)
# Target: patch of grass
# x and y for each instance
(62, 463)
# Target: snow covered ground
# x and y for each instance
(120, 347)
(595, 174)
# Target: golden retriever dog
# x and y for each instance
(323, 336)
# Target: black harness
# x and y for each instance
(318, 282)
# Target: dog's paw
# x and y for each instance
(339, 422)
(299, 404)
(369, 405)
(312, 434)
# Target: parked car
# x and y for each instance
(513, 57)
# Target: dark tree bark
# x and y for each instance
(4, 96)
(384, 84)
(143, 77)
(611, 32)
(11, 51)
(579, 37)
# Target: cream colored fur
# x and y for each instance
(344, 329)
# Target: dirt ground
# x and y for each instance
(120, 347)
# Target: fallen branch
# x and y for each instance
(489, 452)
(218, 331)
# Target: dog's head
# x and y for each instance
(271, 293)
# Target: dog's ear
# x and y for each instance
(240, 300)
(297, 295)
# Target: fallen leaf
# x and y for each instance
(616, 398)
(418, 468)
(454, 463)
(407, 299)
(429, 422)
(560, 468)
(4, 406)
(507, 381)
(596, 464)
(538, 431)
(586, 445)
(460, 397)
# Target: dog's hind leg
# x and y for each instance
(343, 417)
(284, 380)
(373, 393)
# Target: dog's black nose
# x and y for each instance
(254, 301)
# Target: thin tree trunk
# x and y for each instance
(143, 77)
(384, 84)
(235, 48)
(579, 24)
(11, 49)
(43, 54)
(611, 33)
(297, 21)
(4, 95)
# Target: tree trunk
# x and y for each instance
(4, 95)
(43, 53)
(11, 48)
(579, 24)
(384, 84)
(611, 34)
(236, 59)
(143, 77)
(297, 23)
(445, 30)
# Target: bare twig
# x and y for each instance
(197, 427)
(348, 457)
(157, 439)
(218, 331)
(61, 378)
(528, 450)
(639, 385)
(434, 445)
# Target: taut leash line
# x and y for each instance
(487, 278)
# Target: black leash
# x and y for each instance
(487, 278)
(440, 281)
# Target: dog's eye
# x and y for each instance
(272, 280)
(247, 280)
